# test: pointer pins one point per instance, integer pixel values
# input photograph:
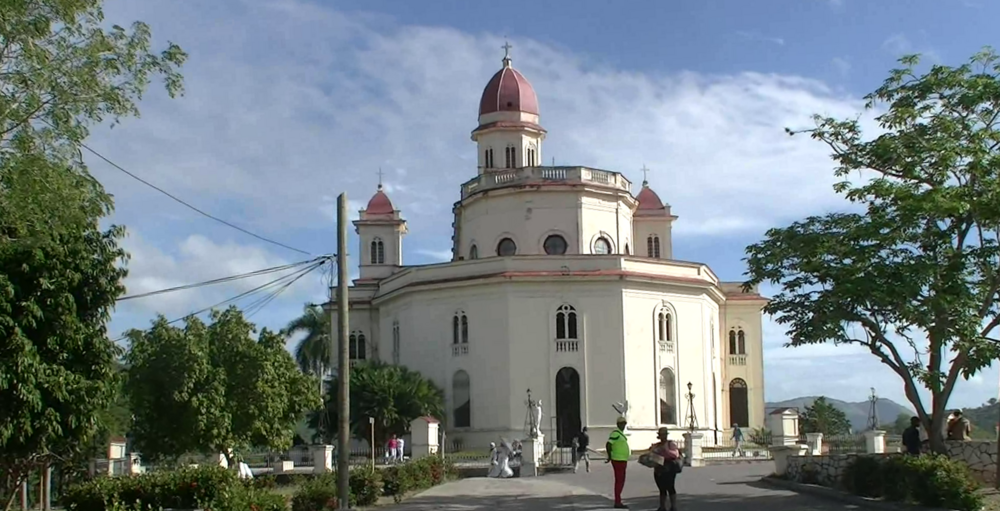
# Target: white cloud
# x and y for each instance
(899, 44)
(291, 102)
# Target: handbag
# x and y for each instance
(651, 460)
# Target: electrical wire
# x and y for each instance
(222, 280)
(256, 307)
(193, 208)
(294, 276)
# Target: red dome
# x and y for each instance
(648, 200)
(508, 91)
(379, 204)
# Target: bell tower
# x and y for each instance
(508, 135)
(380, 230)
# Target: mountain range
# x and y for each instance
(887, 409)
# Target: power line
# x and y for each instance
(223, 279)
(193, 208)
(293, 276)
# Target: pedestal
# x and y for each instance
(692, 449)
(532, 451)
(814, 443)
(134, 464)
(322, 456)
(875, 442)
(424, 437)
(781, 453)
(284, 467)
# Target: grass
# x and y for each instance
(992, 502)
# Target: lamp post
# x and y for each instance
(692, 417)
(371, 422)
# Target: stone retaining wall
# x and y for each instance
(980, 455)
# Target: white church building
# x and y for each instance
(562, 282)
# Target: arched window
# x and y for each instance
(461, 398)
(378, 251)
(454, 329)
(663, 326)
(737, 342)
(488, 160)
(356, 346)
(739, 403)
(653, 246)
(510, 155)
(473, 252)
(602, 246)
(506, 247)
(465, 329)
(566, 322)
(531, 157)
(395, 342)
(668, 396)
(555, 245)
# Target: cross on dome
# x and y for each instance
(380, 178)
(506, 53)
(645, 175)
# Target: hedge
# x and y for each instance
(929, 480)
(187, 488)
(320, 492)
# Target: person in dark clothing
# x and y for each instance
(582, 443)
(911, 437)
(665, 475)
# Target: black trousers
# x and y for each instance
(666, 481)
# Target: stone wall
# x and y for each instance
(980, 455)
(824, 470)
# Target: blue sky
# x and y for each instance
(290, 102)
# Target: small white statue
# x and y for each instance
(536, 419)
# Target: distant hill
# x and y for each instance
(857, 413)
(984, 419)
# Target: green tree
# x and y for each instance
(60, 273)
(393, 395)
(823, 417)
(900, 424)
(314, 350)
(211, 388)
(914, 276)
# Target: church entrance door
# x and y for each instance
(739, 407)
(568, 422)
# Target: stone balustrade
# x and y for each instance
(981, 456)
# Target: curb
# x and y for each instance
(839, 496)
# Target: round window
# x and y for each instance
(602, 246)
(555, 245)
(506, 247)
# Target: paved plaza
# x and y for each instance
(714, 488)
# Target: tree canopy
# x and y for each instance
(393, 395)
(913, 275)
(314, 350)
(60, 272)
(822, 417)
(211, 388)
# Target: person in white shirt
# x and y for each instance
(399, 449)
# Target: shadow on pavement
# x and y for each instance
(703, 502)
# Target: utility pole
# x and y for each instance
(997, 483)
(343, 361)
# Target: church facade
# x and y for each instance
(561, 283)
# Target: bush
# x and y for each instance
(186, 488)
(366, 487)
(415, 475)
(320, 493)
(931, 481)
(863, 476)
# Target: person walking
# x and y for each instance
(959, 428)
(399, 449)
(618, 454)
(582, 454)
(911, 437)
(665, 475)
(738, 441)
(390, 451)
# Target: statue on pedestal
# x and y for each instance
(533, 421)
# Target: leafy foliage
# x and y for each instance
(314, 351)
(186, 488)
(60, 274)
(415, 476)
(393, 395)
(211, 388)
(984, 419)
(932, 481)
(920, 267)
(822, 417)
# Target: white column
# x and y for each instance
(875, 442)
(814, 442)
(322, 456)
(692, 449)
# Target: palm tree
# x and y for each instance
(314, 351)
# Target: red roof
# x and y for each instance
(379, 204)
(508, 91)
(648, 200)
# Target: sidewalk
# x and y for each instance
(528, 494)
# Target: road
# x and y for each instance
(715, 488)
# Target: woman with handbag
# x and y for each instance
(665, 474)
